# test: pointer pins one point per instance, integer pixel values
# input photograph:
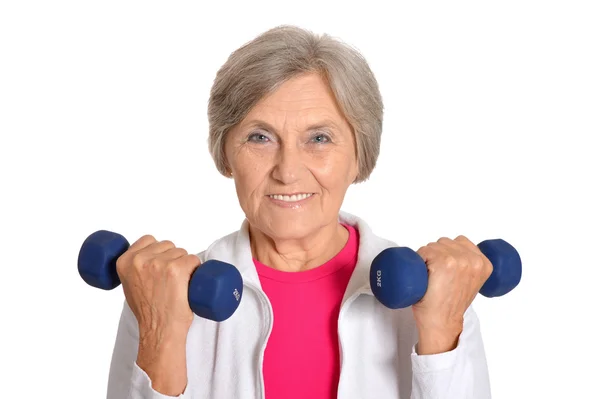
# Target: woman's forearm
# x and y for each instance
(163, 358)
(437, 342)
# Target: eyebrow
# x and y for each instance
(325, 123)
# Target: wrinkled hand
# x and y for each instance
(457, 271)
(155, 277)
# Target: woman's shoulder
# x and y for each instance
(367, 236)
(233, 248)
(224, 244)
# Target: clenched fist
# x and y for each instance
(155, 277)
(457, 271)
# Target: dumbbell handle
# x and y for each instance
(214, 291)
(399, 275)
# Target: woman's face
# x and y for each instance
(294, 141)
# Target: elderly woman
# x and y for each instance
(295, 118)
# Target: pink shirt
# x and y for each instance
(302, 355)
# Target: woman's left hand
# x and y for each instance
(457, 271)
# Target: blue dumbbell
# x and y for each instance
(399, 275)
(214, 292)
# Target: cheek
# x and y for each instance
(244, 190)
(249, 178)
(335, 172)
(337, 169)
(252, 159)
(246, 181)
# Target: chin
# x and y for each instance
(292, 229)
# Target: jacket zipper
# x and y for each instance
(343, 310)
(266, 305)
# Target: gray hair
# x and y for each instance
(260, 66)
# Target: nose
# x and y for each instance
(288, 165)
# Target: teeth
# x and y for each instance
(290, 198)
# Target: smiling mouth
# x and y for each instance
(291, 198)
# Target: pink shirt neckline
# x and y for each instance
(339, 261)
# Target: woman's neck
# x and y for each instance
(299, 255)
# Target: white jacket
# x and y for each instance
(377, 344)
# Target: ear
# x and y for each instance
(356, 171)
(227, 167)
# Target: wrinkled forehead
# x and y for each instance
(303, 103)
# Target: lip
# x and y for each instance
(292, 205)
(290, 194)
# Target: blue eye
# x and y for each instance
(321, 138)
(258, 138)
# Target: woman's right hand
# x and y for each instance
(155, 277)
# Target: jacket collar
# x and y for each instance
(235, 249)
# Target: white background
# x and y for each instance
(492, 117)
